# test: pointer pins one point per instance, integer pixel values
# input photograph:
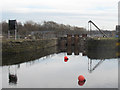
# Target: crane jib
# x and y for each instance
(98, 28)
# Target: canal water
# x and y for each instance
(50, 70)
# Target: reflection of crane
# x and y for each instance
(90, 69)
(104, 35)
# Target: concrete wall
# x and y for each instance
(9, 47)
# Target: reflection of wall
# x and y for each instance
(76, 50)
(27, 56)
(101, 49)
(101, 54)
(94, 49)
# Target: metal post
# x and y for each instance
(90, 30)
(15, 34)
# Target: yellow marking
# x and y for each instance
(117, 54)
(118, 43)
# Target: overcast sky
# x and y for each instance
(73, 12)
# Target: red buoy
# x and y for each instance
(65, 58)
(81, 78)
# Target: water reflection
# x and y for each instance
(84, 53)
(69, 50)
(45, 57)
(13, 74)
(92, 68)
(81, 83)
(12, 79)
(76, 50)
(91, 53)
(28, 56)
